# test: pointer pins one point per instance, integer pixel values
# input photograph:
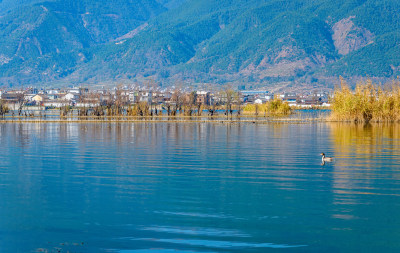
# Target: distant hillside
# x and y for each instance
(171, 4)
(47, 40)
(6, 5)
(239, 41)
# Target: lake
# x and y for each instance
(199, 187)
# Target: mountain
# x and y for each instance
(171, 4)
(46, 40)
(218, 41)
(6, 5)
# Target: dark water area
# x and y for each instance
(199, 187)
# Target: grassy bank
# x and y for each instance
(368, 102)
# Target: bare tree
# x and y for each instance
(229, 95)
(212, 107)
(176, 98)
(21, 102)
(238, 99)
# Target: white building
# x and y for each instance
(132, 96)
(74, 91)
(146, 97)
(87, 104)
(53, 92)
(55, 103)
(70, 96)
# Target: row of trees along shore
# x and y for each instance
(186, 105)
(368, 102)
(181, 104)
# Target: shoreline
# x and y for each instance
(162, 121)
(182, 121)
(165, 119)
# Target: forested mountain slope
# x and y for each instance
(261, 41)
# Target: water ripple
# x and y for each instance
(199, 215)
(222, 244)
(196, 231)
(160, 251)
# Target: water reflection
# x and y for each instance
(366, 146)
(365, 170)
(366, 140)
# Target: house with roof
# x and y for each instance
(38, 99)
(11, 97)
(70, 97)
(203, 97)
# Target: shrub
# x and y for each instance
(367, 103)
(275, 107)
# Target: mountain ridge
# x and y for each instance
(211, 41)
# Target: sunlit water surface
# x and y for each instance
(199, 187)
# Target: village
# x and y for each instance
(33, 98)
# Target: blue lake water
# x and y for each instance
(199, 187)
